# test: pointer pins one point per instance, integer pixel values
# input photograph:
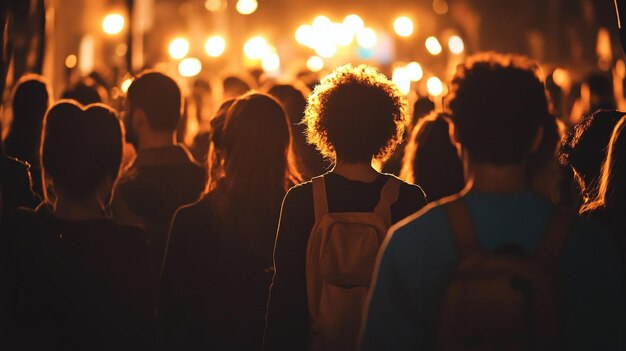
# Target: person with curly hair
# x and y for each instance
(355, 117)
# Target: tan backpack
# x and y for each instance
(503, 299)
(340, 259)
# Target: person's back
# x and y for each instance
(164, 175)
(218, 266)
(89, 284)
(422, 252)
(76, 279)
(29, 103)
(353, 136)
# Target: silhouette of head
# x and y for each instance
(85, 92)
(431, 160)
(612, 187)
(234, 86)
(355, 115)
(498, 104)
(585, 147)
(31, 98)
(159, 97)
(255, 140)
(422, 107)
(81, 148)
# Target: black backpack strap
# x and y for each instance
(388, 196)
(320, 203)
(558, 228)
(461, 227)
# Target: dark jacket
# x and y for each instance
(159, 181)
(77, 285)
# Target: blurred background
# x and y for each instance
(418, 43)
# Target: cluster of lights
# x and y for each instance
(257, 48)
(403, 76)
(179, 48)
(455, 45)
(325, 36)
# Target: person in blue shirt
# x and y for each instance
(497, 104)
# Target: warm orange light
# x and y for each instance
(403, 26)
(433, 46)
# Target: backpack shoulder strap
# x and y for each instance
(461, 227)
(558, 228)
(320, 203)
(388, 196)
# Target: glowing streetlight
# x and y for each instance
(455, 44)
(189, 67)
(178, 48)
(367, 38)
(247, 7)
(433, 46)
(353, 23)
(403, 26)
(215, 46)
(414, 71)
(270, 62)
(113, 24)
(255, 48)
(71, 61)
(315, 63)
(434, 85)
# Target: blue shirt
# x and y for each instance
(419, 256)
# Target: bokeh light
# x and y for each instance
(401, 78)
(435, 86)
(215, 46)
(315, 63)
(256, 47)
(342, 34)
(247, 7)
(326, 50)
(367, 38)
(403, 26)
(321, 23)
(126, 84)
(214, 5)
(456, 45)
(113, 24)
(433, 46)
(189, 67)
(71, 61)
(270, 62)
(440, 7)
(561, 78)
(414, 71)
(353, 23)
(304, 35)
(178, 48)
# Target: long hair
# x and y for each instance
(612, 188)
(430, 159)
(257, 165)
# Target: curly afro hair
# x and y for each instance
(356, 114)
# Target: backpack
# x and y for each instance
(504, 299)
(341, 254)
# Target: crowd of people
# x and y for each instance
(330, 219)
